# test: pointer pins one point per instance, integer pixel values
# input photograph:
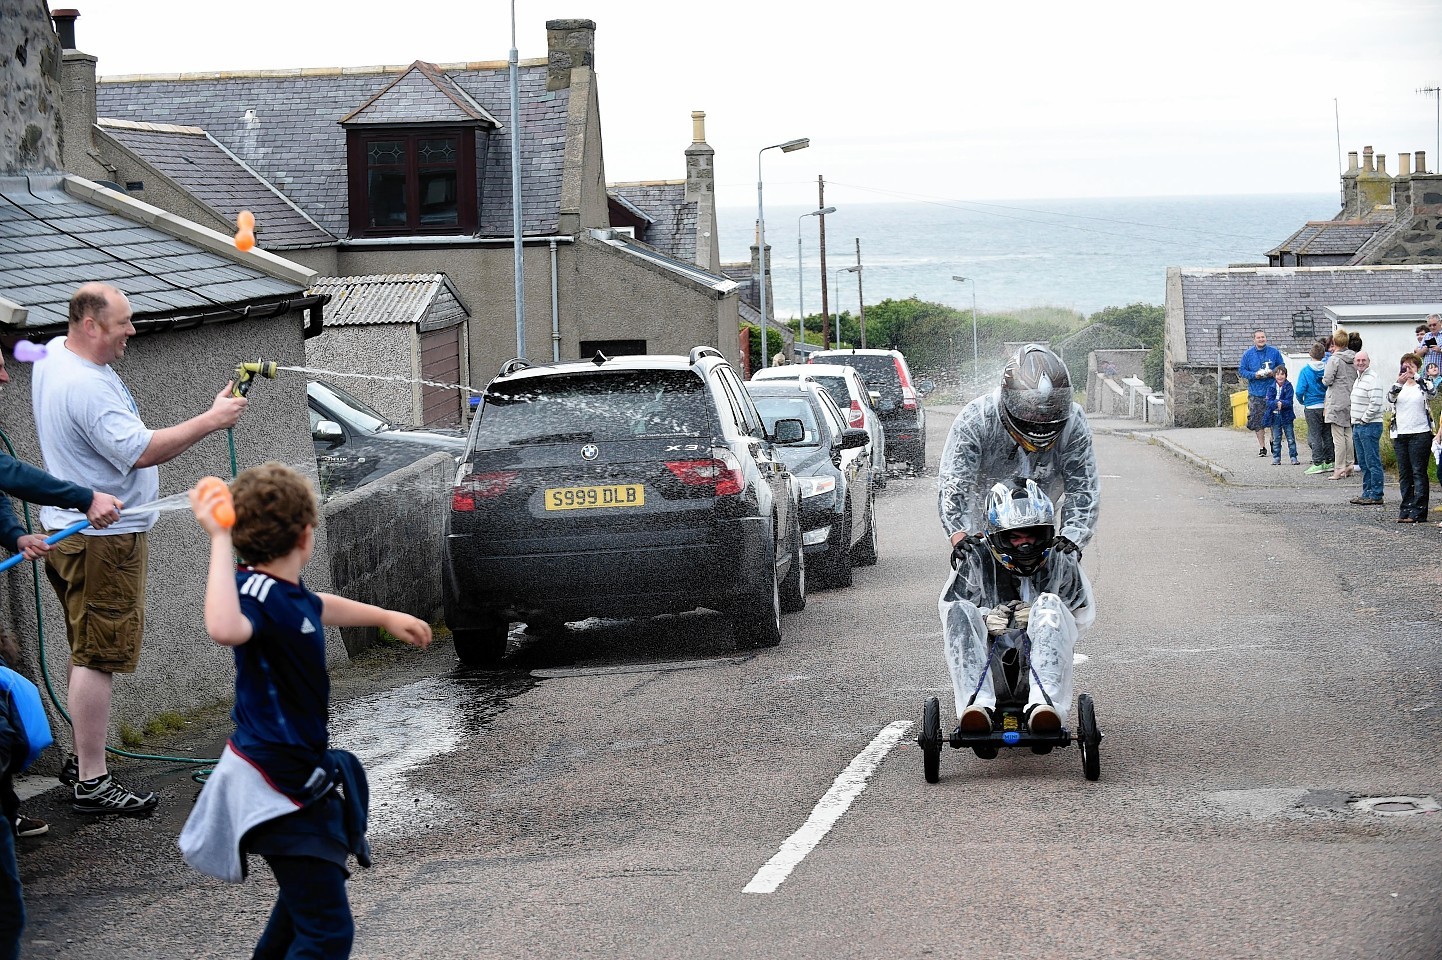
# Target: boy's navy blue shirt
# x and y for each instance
(282, 688)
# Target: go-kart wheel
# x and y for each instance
(984, 753)
(1089, 737)
(930, 740)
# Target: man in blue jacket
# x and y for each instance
(1256, 369)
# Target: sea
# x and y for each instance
(1083, 254)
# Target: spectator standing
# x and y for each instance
(1432, 342)
(91, 433)
(1367, 405)
(1411, 437)
(1255, 369)
(1282, 415)
(1312, 395)
(1434, 375)
(1338, 377)
(24, 732)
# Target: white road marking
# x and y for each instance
(827, 811)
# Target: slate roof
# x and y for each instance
(428, 300)
(644, 251)
(286, 126)
(673, 219)
(1266, 297)
(51, 242)
(422, 94)
(1328, 238)
(220, 180)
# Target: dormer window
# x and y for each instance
(414, 152)
(412, 181)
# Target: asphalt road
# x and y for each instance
(1265, 664)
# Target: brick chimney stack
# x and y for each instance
(1349, 188)
(1374, 186)
(700, 190)
(77, 109)
(572, 44)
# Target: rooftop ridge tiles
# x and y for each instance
(294, 72)
(150, 127)
(645, 183)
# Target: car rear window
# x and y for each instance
(610, 405)
(879, 372)
(789, 408)
(836, 386)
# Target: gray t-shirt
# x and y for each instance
(91, 434)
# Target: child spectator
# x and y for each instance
(24, 732)
(1311, 392)
(278, 790)
(1434, 376)
(1281, 416)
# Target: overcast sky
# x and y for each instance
(925, 100)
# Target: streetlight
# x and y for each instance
(787, 147)
(801, 274)
(839, 271)
(975, 356)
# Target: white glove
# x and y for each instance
(998, 619)
(1022, 617)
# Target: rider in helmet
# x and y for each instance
(1019, 580)
(1028, 427)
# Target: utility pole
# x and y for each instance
(860, 300)
(825, 308)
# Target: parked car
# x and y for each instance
(903, 415)
(838, 508)
(621, 487)
(355, 445)
(851, 394)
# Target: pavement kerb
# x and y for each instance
(1221, 473)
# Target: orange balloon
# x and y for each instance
(224, 510)
(245, 220)
(244, 240)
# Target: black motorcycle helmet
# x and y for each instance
(1035, 397)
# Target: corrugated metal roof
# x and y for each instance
(51, 242)
(407, 298)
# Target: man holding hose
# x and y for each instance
(91, 434)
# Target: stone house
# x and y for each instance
(201, 306)
(385, 171)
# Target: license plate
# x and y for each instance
(593, 498)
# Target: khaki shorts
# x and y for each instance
(101, 585)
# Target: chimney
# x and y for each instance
(1404, 165)
(1349, 188)
(700, 189)
(572, 44)
(1374, 186)
(65, 27)
(1421, 157)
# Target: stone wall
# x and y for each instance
(387, 539)
(1192, 395)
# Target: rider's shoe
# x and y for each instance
(1042, 720)
(975, 721)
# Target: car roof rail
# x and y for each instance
(698, 352)
(514, 364)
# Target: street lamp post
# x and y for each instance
(975, 355)
(839, 271)
(787, 147)
(801, 274)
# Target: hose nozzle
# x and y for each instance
(246, 373)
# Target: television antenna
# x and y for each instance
(1436, 94)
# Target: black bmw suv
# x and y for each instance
(622, 487)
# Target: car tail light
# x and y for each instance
(908, 392)
(854, 416)
(720, 470)
(480, 486)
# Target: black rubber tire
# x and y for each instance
(865, 552)
(930, 740)
(1089, 737)
(793, 588)
(757, 622)
(917, 462)
(837, 559)
(483, 644)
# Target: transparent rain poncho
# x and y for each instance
(1061, 607)
(980, 452)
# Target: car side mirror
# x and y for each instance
(788, 431)
(851, 438)
(925, 387)
(327, 431)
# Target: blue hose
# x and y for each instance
(53, 539)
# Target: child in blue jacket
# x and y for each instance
(1281, 415)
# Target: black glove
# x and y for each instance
(972, 543)
(1066, 545)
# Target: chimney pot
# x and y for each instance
(1404, 164)
(65, 27)
(698, 126)
(1421, 156)
(1381, 164)
(1352, 161)
(1367, 160)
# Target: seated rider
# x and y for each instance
(1023, 581)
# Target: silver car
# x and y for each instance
(848, 389)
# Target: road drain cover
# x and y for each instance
(1397, 806)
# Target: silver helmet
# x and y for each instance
(1020, 525)
(1035, 397)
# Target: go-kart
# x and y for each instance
(1011, 672)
